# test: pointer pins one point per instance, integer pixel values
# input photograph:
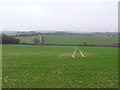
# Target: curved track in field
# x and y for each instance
(80, 52)
(73, 55)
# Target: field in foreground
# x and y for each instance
(27, 66)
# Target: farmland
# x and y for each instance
(28, 39)
(30, 66)
(74, 39)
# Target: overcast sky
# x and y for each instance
(65, 15)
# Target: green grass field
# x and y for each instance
(27, 66)
(27, 39)
(74, 39)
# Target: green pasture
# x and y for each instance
(27, 39)
(74, 39)
(28, 66)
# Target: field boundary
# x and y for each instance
(64, 45)
(78, 45)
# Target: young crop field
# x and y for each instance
(80, 40)
(74, 39)
(30, 66)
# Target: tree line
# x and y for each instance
(4, 39)
(9, 40)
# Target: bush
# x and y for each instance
(36, 40)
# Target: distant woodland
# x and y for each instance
(9, 40)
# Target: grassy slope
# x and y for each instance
(41, 66)
(74, 39)
(28, 39)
